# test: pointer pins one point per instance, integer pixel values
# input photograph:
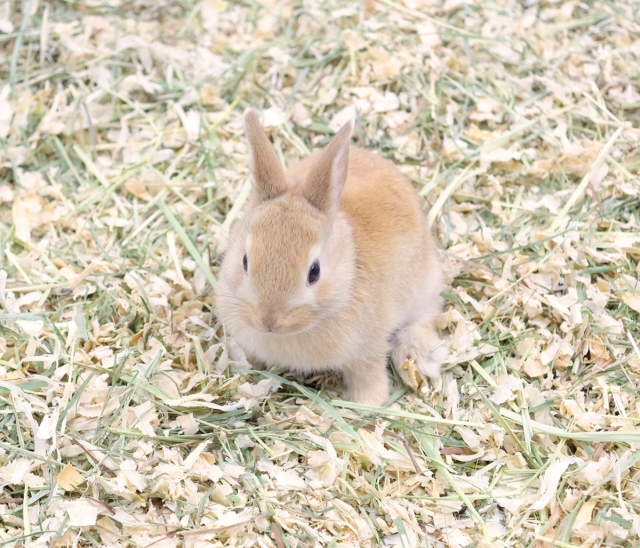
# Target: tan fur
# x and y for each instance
(379, 276)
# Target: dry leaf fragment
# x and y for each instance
(108, 530)
(69, 478)
(188, 423)
(550, 481)
(23, 211)
(81, 513)
(584, 514)
(632, 299)
(506, 390)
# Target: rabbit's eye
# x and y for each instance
(245, 264)
(314, 272)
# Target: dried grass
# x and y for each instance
(122, 165)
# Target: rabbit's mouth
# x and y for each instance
(271, 320)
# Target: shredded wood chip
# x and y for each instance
(69, 478)
(123, 166)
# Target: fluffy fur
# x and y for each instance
(379, 287)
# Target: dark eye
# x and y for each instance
(314, 272)
(244, 262)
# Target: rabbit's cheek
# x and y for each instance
(250, 316)
(323, 291)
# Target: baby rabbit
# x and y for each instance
(332, 266)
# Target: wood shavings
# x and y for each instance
(123, 167)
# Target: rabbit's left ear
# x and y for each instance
(328, 175)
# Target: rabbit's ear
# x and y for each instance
(328, 175)
(268, 176)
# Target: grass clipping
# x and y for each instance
(122, 165)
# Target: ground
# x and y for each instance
(122, 166)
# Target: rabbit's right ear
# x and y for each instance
(268, 176)
(328, 175)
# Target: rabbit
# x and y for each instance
(332, 268)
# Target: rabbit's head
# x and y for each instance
(291, 263)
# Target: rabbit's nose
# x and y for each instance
(269, 320)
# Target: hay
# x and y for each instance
(124, 421)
